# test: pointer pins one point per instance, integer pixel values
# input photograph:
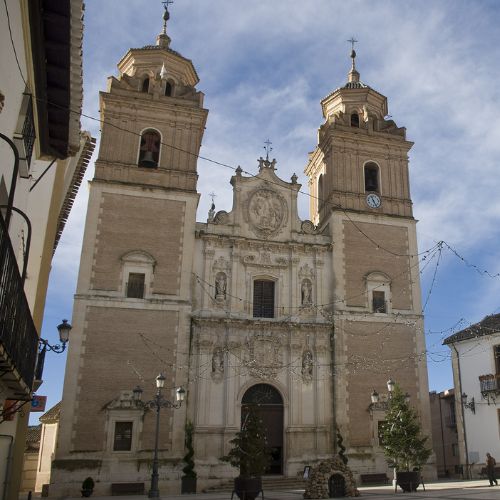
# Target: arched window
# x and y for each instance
(149, 153)
(145, 85)
(355, 120)
(372, 182)
(169, 88)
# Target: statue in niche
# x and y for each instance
(307, 365)
(218, 360)
(220, 286)
(306, 292)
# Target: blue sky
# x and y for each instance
(265, 65)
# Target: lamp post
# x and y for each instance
(157, 404)
(43, 346)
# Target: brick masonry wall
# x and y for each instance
(363, 257)
(129, 223)
(112, 346)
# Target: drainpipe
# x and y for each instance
(463, 412)
(7, 468)
(334, 420)
(442, 432)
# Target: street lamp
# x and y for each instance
(470, 405)
(43, 346)
(157, 404)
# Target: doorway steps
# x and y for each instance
(269, 483)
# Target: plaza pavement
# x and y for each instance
(447, 490)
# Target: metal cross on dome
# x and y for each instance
(352, 41)
(166, 3)
(268, 148)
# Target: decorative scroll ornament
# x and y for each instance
(306, 272)
(308, 227)
(263, 357)
(267, 212)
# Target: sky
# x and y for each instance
(265, 65)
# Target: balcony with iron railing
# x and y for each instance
(18, 335)
(489, 383)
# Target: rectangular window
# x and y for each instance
(380, 432)
(379, 302)
(123, 436)
(135, 285)
(496, 355)
(454, 449)
(263, 299)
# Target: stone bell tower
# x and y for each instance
(131, 311)
(359, 182)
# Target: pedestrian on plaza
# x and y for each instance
(490, 469)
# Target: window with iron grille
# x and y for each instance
(123, 436)
(24, 137)
(135, 285)
(263, 299)
(379, 302)
(496, 354)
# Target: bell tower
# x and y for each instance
(360, 195)
(131, 312)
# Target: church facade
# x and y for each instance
(303, 317)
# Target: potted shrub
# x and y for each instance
(250, 454)
(188, 480)
(87, 487)
(404, 445)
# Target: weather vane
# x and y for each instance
(268, 148)
(212, 195)
(166, 3)
(166, 14)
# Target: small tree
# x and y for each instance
(250, 452)
(404, 445)
(188, 457)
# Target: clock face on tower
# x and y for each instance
(373, 200)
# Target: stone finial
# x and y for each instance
(163, 72)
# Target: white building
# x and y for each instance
(475, 355)
(40, 105)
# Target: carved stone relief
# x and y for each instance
(266, 212)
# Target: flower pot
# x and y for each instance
(408, 480)
(247, 488)
(188, 484)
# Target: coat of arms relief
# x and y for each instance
(263, 358)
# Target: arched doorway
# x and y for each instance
(270, 407)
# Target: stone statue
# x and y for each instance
(307, 365)
(306, 290)
(220, 286)
(218, 361)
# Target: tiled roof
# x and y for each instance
(33, 436)
(487, 326)
(51, 415)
